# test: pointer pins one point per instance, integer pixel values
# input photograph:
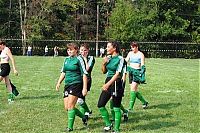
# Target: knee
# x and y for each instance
(80, 101)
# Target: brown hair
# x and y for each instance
(85, 45)
(2, 43)
(115, 44)
(134, 44)
(72, 46)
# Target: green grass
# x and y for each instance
(172, 90)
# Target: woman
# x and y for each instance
(136, 74)
(112, 65)
(6, 55)
(75, 76)
(89, 61)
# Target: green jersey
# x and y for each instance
(115, 64)
(74, 68)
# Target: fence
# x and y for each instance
(150, 49)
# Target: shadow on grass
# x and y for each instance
(38, 97)
(138, 117)
(165, 106)
(155, 125)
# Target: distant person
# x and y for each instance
(46, 50)
(55, 49)
(6, 56)
(102, 51)
(29, 51)
(136, 74)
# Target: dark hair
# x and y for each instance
(2, 43)
(115, 44)
(72, 46)
(134, 44)
(85, 45)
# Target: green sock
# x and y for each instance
(11, 96)
(123, 109)
(112, 110)
(84, 108)
(71, 118)
(78, 113)
(118, 116)
(140, 97)
(105, 115)
(132, 99)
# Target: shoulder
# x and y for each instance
(141, 54)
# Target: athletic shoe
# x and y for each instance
(108, 128)
(125, 116)
(85, 119)
(144, 106)
(87, 114)
(68, 130)
(115, 131)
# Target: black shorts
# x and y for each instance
(5, 69)
(73, 89)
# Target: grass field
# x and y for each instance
(172, 90)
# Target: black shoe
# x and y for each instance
(144, 106)
(88, 114)
(68, 130)
(85, 119)
(125, 116)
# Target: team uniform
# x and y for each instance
(115, 90)
(81, 101)
(74, 68)
(138, 76)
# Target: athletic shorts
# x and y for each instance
(5, 69)
(116, 89)
(73, 89)
(134, 76)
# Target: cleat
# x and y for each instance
(88, 113)
(108, 128)
(85, 119)
(125, 116)
(144, 106)
(68, 130)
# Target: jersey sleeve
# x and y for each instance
(120, 65)
(91, 63)
(82, 65)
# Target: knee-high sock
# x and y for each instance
(140, 97)
(132, 99)
(84, 108)
(78, 113)
(123, 109)
(112, 110)
(118, 116)
(71, 118)
(105, 115)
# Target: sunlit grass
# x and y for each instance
(172, 90)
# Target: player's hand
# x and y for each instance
(15, 72)
(84, 92)
(57, 86)
(105, 87)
